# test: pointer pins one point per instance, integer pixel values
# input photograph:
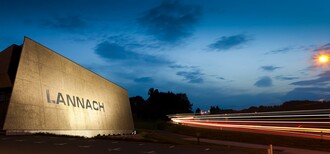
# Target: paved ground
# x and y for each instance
(277, 149)
(72, 145)
(63, 145)
(247, 145)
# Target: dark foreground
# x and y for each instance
(61, 145)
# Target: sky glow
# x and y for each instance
(231, 53)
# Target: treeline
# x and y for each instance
(286, 106)
(160, 104)
(291, 105)
(215, 110)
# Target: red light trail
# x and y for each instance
(308, 123)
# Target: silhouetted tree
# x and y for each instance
(215, 110)
(212, 110)
(160, 104)
(198, 111)
(137, 106)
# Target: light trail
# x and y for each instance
(314, 124)
(267, 116)
(279, 122)
(257, 127)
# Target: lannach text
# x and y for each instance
(75, 101)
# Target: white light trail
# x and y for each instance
(312, 125)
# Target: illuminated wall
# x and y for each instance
(52, 94)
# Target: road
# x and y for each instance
(62, 145)
(302, 123)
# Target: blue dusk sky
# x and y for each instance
(231, 53)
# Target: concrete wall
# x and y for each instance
(35, 104)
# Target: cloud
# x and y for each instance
(264, 82)
(308, 93)
(191, 76)
(324, 48)
(143, 80)
(68, 23)
(284, 50)
(281, 77)
(281, 50)
(229, 42)
(181, 67)
(171, 21)
(125, 50)
(247, 100)
(190, 73)
(127, 41)
(322, 79)
(269, 68)
(112, 51)
(220, 78)
(317, 88)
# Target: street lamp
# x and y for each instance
(323, 59)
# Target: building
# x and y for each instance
(44, 92)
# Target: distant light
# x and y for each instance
(322, 100)
(323, 59)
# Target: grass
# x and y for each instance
(168, 138)
(162, 132)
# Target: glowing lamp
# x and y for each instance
(323, 59)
